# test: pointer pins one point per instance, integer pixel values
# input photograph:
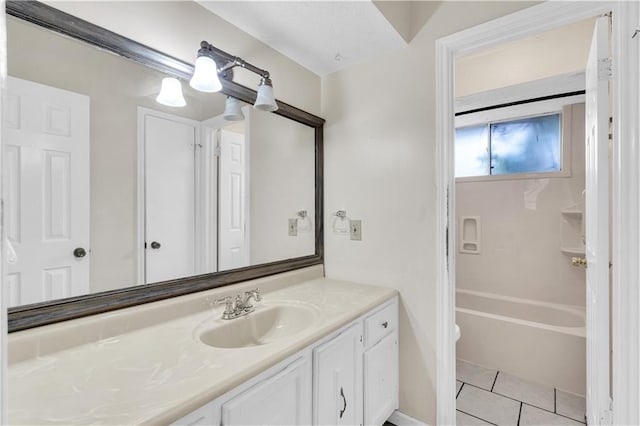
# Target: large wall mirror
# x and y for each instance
(113, 199)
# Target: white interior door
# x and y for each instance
(207, 201)
(169, 189)
(46, 191)
(233, 241)
(597, 225)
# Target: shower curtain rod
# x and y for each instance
(526, 101)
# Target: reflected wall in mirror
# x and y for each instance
(107, 188)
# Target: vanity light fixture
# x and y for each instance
(213, 63)
(205, 76)
(171, 93)
(232, 110)
(265, 100)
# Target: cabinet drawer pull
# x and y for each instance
(344, 402)
(385, 324)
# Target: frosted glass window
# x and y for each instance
(529, 145)
(526, 145)
(472, 151)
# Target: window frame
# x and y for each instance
(535, 109)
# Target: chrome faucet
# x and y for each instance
(243, 302)
(241, 306)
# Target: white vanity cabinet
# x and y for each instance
(380, 365)
(337, 379)
(347, 378)
(282, 399)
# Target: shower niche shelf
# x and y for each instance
(572, 230)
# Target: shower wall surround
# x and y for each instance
(521, 232)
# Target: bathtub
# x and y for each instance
(541, 342)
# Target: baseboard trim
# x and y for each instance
(401, 419)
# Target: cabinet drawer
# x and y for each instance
(380, 323)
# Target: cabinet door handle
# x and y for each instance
(344, 402)
(385, 324)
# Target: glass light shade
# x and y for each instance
(171, 93)
(205, 77)
(265, 100)
(232, 110)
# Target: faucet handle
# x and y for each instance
(255, 293)
(228, 301)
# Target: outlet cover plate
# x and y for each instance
(293, 227)
(355, 230)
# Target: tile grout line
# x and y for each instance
(522, 403)
(458, 394)
(559, 415)
(494, 381)
(476, 417)
(519, 414)
(517, 400)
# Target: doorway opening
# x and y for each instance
(535, 20)
(519, 205)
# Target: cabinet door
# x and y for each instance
(283, 399)
(337, 379)
(381, 380)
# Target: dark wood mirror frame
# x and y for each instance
(29, 316)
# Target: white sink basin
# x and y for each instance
(267, 324)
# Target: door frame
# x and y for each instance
(140, 184)
(625, 185)
(3, 280)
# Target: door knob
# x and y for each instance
(578, 261)
(79, 252)
(155, 245)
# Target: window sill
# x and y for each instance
(518, 176)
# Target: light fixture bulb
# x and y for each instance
(171, 93)
(205, 76)
(232, 110)
(265, 101)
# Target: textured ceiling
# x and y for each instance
(322, 36)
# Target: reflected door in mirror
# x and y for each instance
(234, 204)
(47, 158)
(169, 161)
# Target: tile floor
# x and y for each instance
(486, 397)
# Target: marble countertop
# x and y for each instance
(159, 373)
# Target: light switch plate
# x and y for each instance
(355, 230)
(293, 227)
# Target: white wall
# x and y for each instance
(558, 51)
(282, 176)
(521, 231)
(379, 166)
